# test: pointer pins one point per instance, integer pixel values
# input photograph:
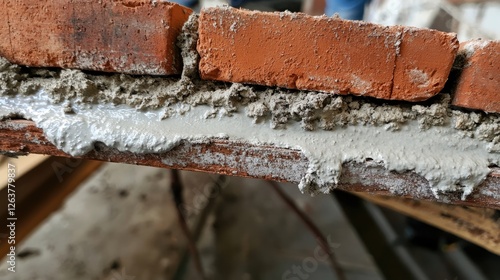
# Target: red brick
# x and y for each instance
(130, 36)
(37, 33)
(423, 64)
(479, 84)
(319, 53)
(4, 28)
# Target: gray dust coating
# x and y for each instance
(450, 148)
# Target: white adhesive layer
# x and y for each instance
(443, 155)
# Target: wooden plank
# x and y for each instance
(479, 226)
(23, 164)
(40, 192)
(257, 161)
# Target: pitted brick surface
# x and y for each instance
(136, 37)
(423, 64)
(323, 54)
(479, 84)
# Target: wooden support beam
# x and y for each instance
(257, 161)
(39, 192)
(23, 164)
(477, 225)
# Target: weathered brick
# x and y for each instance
(478, 86)
(4, 28)
(37, 33)
(321, 53)
(423, 64)
(130, 36)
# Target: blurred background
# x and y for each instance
(125, 222)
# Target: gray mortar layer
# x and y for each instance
(473, 136)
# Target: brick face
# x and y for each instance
(479, 84)
(4, 28)
(281, 50)
(320, 53)
(423, 64)
(136, 37)
(38, 34)
(273, 49)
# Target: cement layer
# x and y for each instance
(449, 159)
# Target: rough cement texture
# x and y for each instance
(314, 110)
(450, 148)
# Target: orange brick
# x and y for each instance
(4, 28)
(318, 53)
(130, 36)
(423, 64)
(479, 84)
(37, 33)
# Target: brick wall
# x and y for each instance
(272, 49)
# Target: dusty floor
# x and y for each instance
(119, 221)
(121, 225)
